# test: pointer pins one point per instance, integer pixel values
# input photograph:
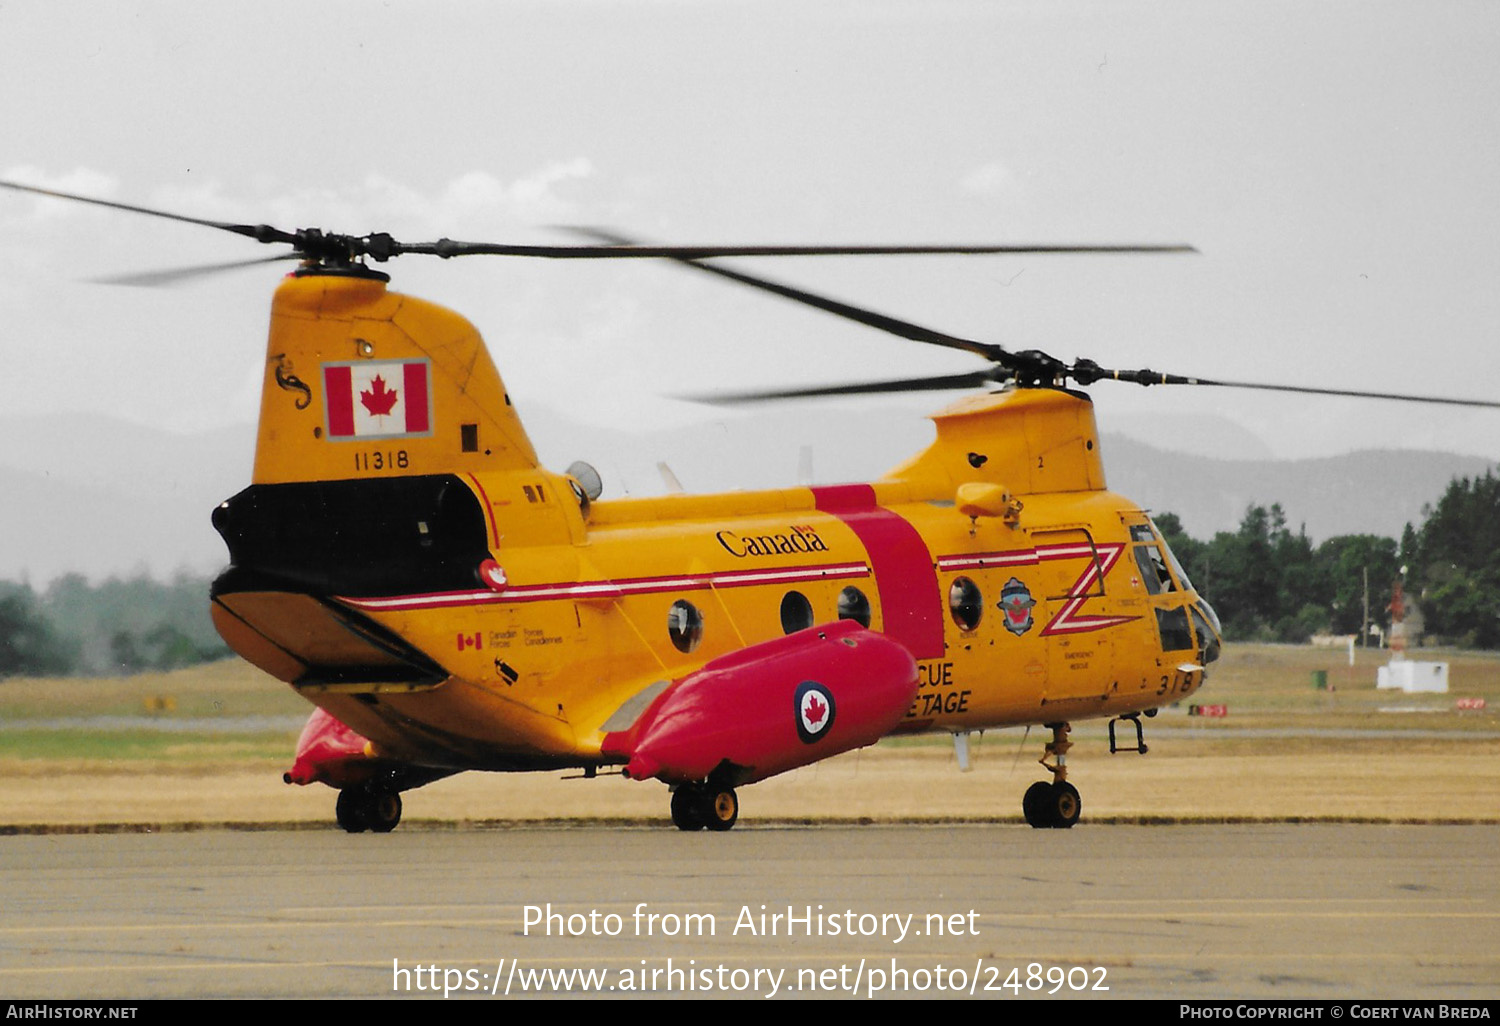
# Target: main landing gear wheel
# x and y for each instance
(359, 809)
(685, 808)
(695, 806)
(721, 808)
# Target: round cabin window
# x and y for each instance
(965, 603)
(684, 625)
(796, 613)
(854, 606)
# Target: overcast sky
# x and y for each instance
(1336, 164)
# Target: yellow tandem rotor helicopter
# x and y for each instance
(404, 562)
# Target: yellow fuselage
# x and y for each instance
(1047, 599)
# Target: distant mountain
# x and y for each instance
(109, 498)
(1358, 493)
(761, 449)
(105, 497)
(1193, 433)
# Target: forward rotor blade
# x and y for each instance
(891, 325)
(178, 275)
(1445, 400)
(947, 382)
(1086, 372)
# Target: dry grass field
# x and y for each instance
(207, 746)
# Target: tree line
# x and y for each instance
(1268, 583)
(120, 626)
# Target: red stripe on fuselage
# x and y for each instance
(489, 512)
(910, 602)
(609, 589)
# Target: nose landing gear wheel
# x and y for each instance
(1064, 805)
(1051, 805)
(1033, 805)
(1056, 803)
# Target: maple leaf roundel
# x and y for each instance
(814, 710)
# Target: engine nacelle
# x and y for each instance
(772, 707)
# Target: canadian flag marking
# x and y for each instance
(378, 399)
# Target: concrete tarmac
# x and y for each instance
(1328, 911)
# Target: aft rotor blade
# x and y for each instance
(259, 232)
(380, 246)
(453, 248)
(177, 275)
(948, 382)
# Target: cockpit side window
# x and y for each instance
(1153, 568)
(1150, 561)
(1173, 561)
(1173, 627)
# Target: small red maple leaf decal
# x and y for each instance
(378, 399)
(815, 711)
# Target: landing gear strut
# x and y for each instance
(695, 806)
(368, 808)
(1055, 804)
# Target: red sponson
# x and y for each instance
(773, 707)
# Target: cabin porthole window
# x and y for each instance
(684, 625)
(796, 613)
(965, 603)
(854, 606)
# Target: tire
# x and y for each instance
(349, 811)
(1034, 804)
(383, 811)
(686, 801)
(359, 809)
(1065, 806)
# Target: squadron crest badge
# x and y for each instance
(1015, 604)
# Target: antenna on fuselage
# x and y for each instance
(674, 486)
(805, 466)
